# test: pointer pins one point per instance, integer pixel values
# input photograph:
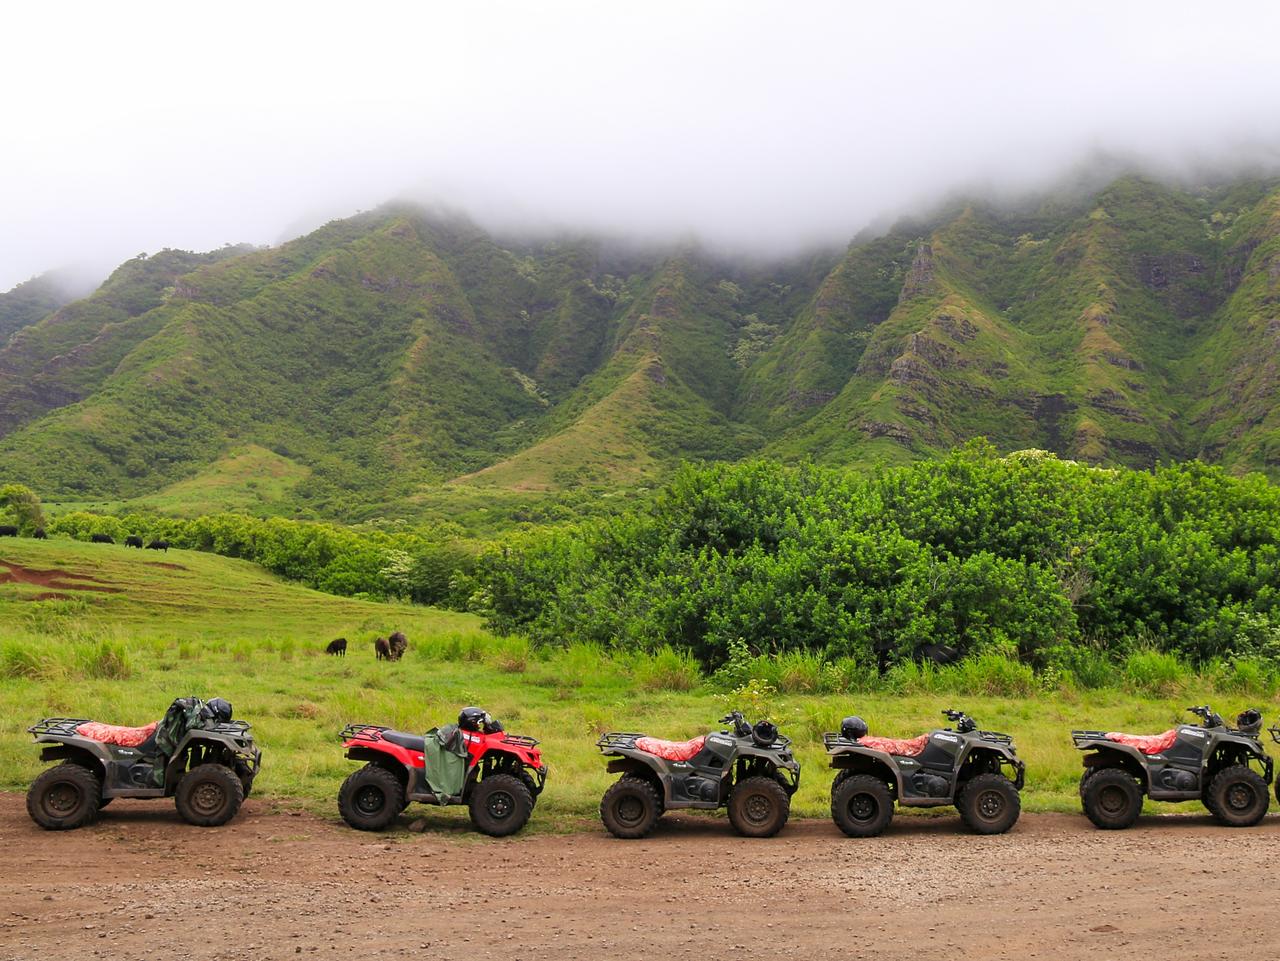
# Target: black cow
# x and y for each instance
(133, 540)
(158, 545)
(337, 648)
(381, 649)
(398, 644)
(100, 539)
(40, 535)
(938, 653)
(8, 530)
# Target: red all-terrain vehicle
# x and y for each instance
(474, 762)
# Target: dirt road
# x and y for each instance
(141, 884)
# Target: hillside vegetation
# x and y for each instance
(399, 361)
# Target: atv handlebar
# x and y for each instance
(1207, 715)
(963, 722)
(740, 726)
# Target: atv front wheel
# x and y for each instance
(246, 778)
(1112, 799)
(861, 805)
(209, 795)
(630, 808)
(64, 797)
(371, 798)
(989, 804)
(500, 805)
(1239, 797)
(759, 807)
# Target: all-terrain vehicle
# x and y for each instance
(195, 754)
(962, 766)
(1207, 762)
(474, 762)
(749, 769)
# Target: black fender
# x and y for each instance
(77, 755)
(876, 763)
(1118, 756)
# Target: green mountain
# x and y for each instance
(34, 299)
(393, 356)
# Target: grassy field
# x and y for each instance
(131, 630)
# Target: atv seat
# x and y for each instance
(671, 750)
(414, 742)
(114, 734)
(902, 746)
(1146, 743)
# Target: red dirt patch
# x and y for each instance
(60, 580)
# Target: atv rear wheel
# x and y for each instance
(500, 805)
(861, 805)
(1112, 799)
(64, 797)
(989, 804)
(1239, 795)
(371, 798)
(631, 807)
(209, 795)
(759, 807)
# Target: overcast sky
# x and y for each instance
(134, 126)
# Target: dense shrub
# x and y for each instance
(1020, 558)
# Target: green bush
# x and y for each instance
(1156, 673)
(1019, 557)
(668, 670)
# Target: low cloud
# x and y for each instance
(760, 127)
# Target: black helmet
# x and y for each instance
(1249, 721)
(764, 733)
(853, 728)
(221, 710)
(473, 719)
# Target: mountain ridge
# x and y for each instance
(403, 349)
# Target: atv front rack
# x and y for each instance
(521, 740)
(995, 737)
(58, 726)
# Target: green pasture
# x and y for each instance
(139, 628)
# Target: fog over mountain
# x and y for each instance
(758, 127)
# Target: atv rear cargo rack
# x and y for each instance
(618, 740)
(1078, 736)
(58, 726)
(362, 732)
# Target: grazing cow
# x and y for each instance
(938, 653)
(158, 545)
(398, 644)
(381, 649)
(8, 530)
(337, 648)
(40, 535)
(133, 540)
(100, 539)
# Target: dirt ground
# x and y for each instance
(142, 884)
